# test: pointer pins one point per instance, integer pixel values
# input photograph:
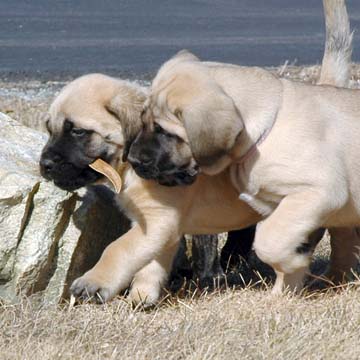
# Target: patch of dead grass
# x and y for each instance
(246, 324)
(240, 322)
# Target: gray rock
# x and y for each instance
(48, 237)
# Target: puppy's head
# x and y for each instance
(88, 120)
(188, 121)
(160, 154)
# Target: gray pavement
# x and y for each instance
(50, 39)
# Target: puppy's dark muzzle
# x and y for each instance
(146, 169)
(152, 155)
(178, 178)
(65, 175)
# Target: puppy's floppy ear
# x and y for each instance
(210, 117)
(126, 106)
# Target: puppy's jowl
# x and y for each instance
(290, 149)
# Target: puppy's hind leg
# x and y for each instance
(282, 240)
(345, 252)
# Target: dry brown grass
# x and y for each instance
(246, 323)
(243, 324)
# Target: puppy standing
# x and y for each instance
(294, 147)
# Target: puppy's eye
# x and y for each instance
(68, 125)
(78, 132)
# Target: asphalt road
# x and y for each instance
(131, 38)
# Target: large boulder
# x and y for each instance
(48, 236)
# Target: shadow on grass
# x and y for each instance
(253, 274)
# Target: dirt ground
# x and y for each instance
(244, 322)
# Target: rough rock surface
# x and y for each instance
(47, 236)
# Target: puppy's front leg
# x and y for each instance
(282, 239)
(149, 281)
(121, 260)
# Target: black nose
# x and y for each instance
(47, 164)
(142, 159)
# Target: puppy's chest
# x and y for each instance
(132, 200)
(253, 191)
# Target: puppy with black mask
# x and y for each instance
(222, 113)
(190, 121)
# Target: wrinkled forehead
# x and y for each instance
(157, 110)
(95, 119)
(166, 119)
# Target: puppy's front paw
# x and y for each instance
(145, 294)
(91, 287)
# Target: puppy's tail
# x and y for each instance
(335, 69)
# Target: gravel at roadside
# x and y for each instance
(27, 101)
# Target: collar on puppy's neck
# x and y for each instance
(252, 150)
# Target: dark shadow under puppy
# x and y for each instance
(207, 267)
(237, 265)
(237, 247)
